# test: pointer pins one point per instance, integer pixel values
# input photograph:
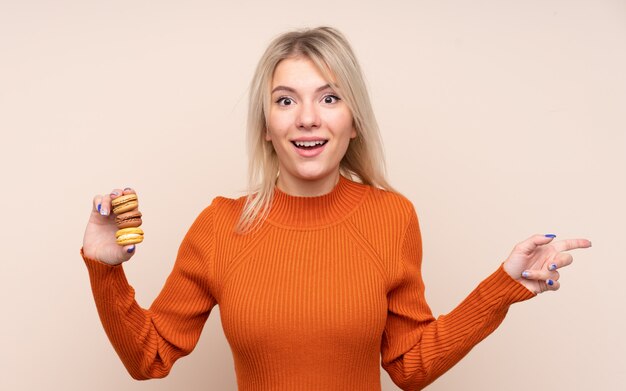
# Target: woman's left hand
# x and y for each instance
(535, 261)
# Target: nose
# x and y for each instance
(308, 117)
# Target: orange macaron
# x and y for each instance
(128, 219)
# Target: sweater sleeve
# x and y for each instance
(417, 348)
(149, 341)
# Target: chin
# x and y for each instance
(313, 174)
(311, 178)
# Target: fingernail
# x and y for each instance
(99, 206)
(552, 267)
(115, 193)
(550, 235)
(550, 282)
(127, 188)
(104, 212)
(130, 250)
(525, 274)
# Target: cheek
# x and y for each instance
(278, 125)
(271, 127)
(341, 122)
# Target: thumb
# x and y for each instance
(128, 252)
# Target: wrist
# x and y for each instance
(511, 271)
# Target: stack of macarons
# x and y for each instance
(128, 219)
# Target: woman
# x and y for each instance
(317, 270)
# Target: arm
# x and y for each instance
(150, 341)
(417, 348)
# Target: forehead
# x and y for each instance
(298, 72)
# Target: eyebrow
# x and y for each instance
(285, 88)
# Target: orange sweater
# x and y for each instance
(310, 301)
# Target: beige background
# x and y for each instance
(500, 119)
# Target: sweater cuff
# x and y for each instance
(98, 266)
(106, 280)
(500, 284)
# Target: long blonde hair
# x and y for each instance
(329, 50)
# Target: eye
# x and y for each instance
(284, 101)
(330, 99)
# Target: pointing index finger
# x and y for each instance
(571, 244)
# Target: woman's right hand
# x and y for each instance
(99, 240)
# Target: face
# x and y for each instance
(310, 126)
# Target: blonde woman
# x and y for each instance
(317, 270)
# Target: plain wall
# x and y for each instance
(501, 119)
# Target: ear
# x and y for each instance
(268, 137)
(353, 134)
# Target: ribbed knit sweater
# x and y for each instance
(317, 298)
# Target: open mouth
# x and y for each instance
(309, 144)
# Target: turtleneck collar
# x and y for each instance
(307, 212)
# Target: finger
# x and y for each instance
(105, 205)
(541, 275)
(530, 244)
(571, 244)
(97, 201)
(129, 190)
(552, 285)
(561, 260)
(116, 193)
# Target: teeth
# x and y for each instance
(309, 143)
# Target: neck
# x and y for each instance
(304, 212)
(307, 188)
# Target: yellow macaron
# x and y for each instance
(128, 236)
(124, 203)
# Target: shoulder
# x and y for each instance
(221, 209)
(383, 217)
(391, 204)
(224, 205)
